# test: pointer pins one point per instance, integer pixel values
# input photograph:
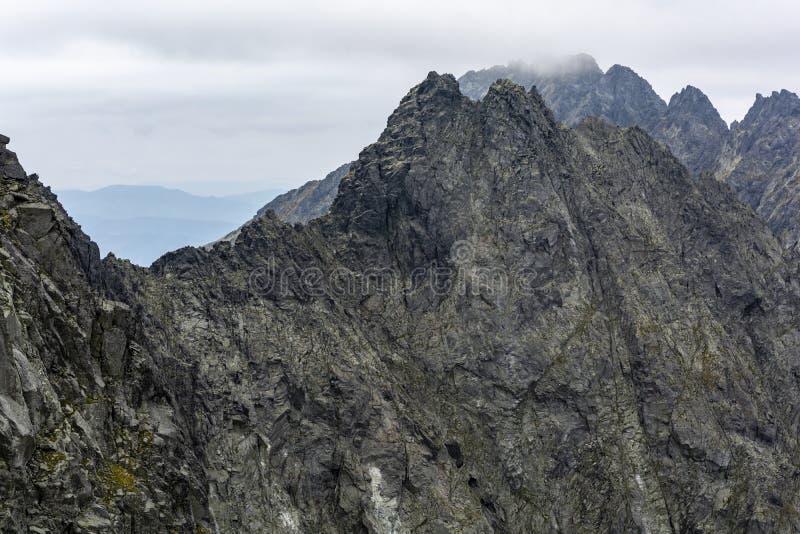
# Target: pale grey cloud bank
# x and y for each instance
(217, 97)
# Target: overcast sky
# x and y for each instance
(218, 97)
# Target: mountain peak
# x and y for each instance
(693, 101)
(779, 104)
(618, 70)
(436, 89)
(622, 76)
(519, 102)
(690, 93)
(435, 93)
(576, 64)
(506, 87)
(557, 66)
(577, 68)
(436, 82)
(582, 61)
(783, 95)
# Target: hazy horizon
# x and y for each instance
(168, 188)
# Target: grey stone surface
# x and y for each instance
(575, 88)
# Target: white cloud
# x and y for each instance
(267, 93)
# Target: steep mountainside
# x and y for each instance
(309, 201)
(503, 325)
(575, 88)
(759, 157)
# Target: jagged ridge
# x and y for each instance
(759, 157)
(638, 374)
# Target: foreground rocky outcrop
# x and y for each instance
(503, 325)
(93, 436)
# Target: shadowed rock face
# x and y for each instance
(503, 325)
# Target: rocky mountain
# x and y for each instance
(759, 157)
(503, 325)
(309, 201)
(574, 88)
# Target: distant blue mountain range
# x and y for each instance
(141, 223)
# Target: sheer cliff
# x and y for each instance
(503, 325)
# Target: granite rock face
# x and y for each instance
(81, 388)
(574, 88)
(503, 325)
